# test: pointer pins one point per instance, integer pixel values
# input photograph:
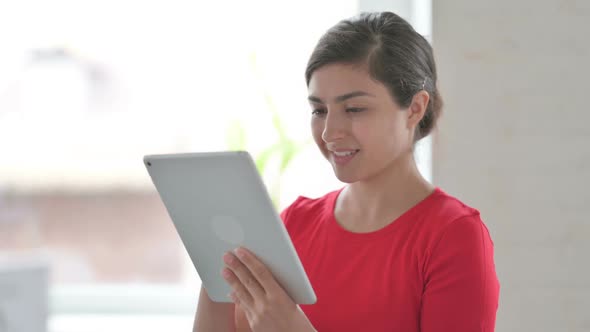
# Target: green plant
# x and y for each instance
(285, 149)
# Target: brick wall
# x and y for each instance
(114, 236)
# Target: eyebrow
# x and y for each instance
(342, 98)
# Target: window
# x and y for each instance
(79, 107)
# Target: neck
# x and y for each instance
(389, 193)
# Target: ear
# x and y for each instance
(417, 108)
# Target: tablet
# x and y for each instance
(218, 202)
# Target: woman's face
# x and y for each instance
(357, 125)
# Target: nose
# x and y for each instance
(334, 127)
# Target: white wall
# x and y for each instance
(513, 142)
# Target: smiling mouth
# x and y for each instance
(345, 153)
(342, 158)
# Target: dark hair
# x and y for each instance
(397, 56)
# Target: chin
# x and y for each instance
(346, 178)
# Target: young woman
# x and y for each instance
(388, 252)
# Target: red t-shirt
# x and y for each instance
(432, 269)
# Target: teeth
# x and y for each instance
(344, 154)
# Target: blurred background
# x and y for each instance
(87, 88)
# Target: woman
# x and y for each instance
(388, 252)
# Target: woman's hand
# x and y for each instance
(268, 308)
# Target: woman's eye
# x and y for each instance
(318, 111)
(354, 109)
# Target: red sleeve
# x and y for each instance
(287, 211)
(285, 214)
(461, 288)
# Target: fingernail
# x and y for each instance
(228, 258)
(240, 252)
